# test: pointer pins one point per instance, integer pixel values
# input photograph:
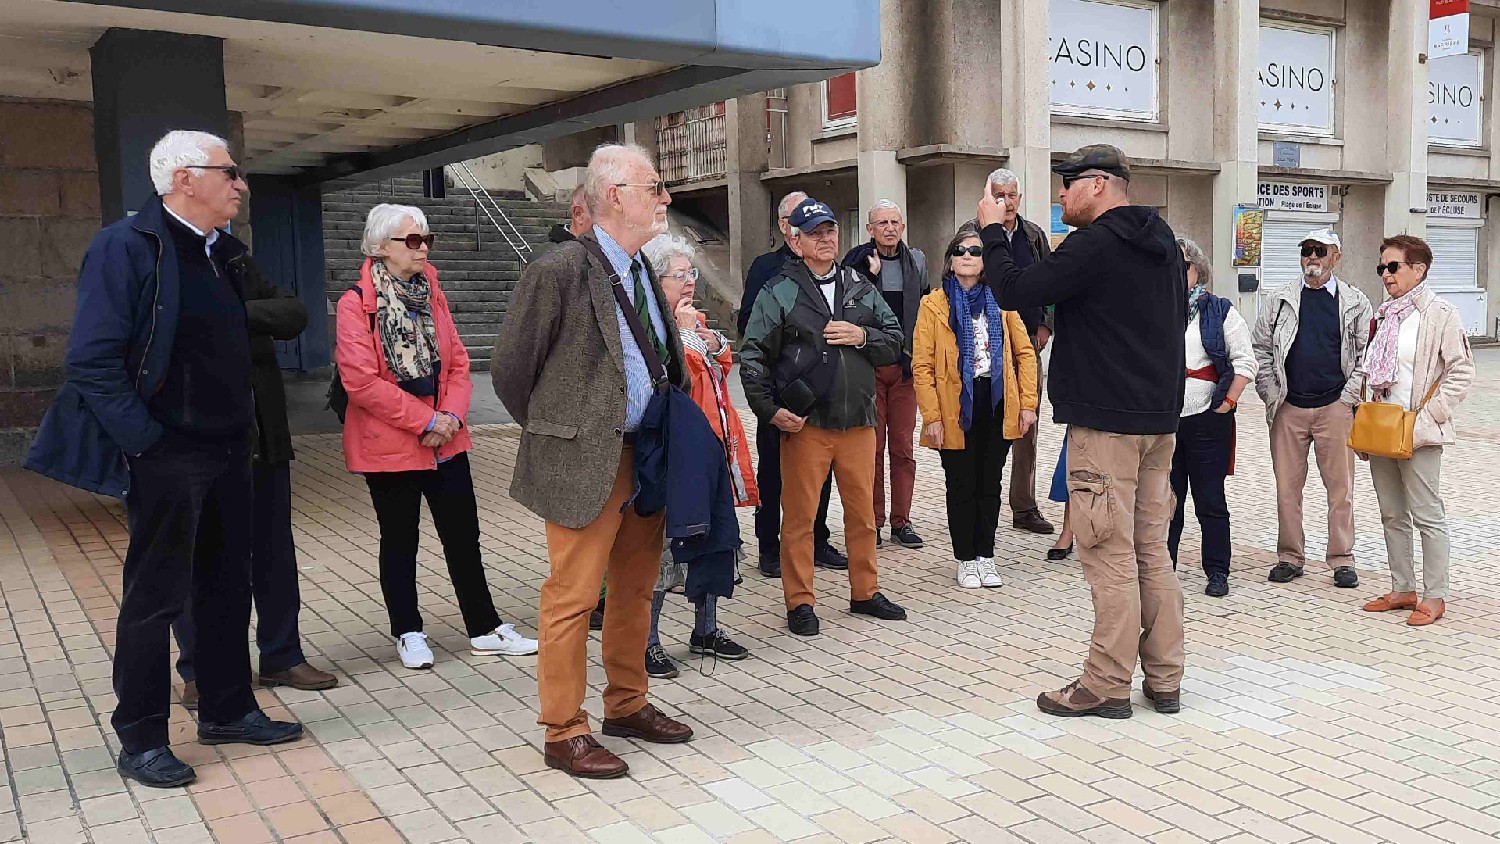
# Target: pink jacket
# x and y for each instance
(384, 424)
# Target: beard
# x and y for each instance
(1312, 272)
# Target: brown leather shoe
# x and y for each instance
(1392, 601)
(1423, 615)
(1032, 520)
(1073, 700)
(583, 756)
(302, 676)
(649, 725)
(1167, 703)
(190, 695)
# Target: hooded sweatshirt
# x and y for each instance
(1119, 286)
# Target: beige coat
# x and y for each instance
(1444, 358)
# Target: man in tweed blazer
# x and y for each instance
(567, 367)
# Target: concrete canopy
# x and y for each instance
(367, 89)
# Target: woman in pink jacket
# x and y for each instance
(407, 375)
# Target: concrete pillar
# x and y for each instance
(146, 84)
(1236, 53)
(880, 177)
(288, 223)
(750, 212)
(1030, 134)
(1406, 98)
(883, 94)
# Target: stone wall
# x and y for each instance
(49, 210)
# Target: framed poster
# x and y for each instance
(1248, 221)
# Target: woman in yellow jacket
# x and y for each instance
(975, 375)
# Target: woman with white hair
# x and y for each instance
(407, 374)
(708, 357)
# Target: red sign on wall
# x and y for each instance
(1443, 8)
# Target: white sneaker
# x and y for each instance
(504, 641)
(414, 651)
(968, 574)
(989, 578)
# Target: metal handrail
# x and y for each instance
(468, 181)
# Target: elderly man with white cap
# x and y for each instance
(1308, 338)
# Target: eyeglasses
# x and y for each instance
(1320, 251)
(690, 274)
(415, 241)
(1067, 181)
(971, 251)
(657, 187)
(1392, 267)
(231, 172)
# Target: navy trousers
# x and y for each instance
(1205, 442)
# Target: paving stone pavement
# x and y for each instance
(1304, 719)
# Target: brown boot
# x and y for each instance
(1167, 703)
(1073, 700)
(190, 695)
(583, 756)
(301, 676)
(649, 725)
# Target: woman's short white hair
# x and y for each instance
(609, 166)
(660, 251)
(178, 149)
(384, 221)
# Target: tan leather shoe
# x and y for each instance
(302, 676)
(1073, 700)
(583, 756)
(649, 725)
(1423, 615)
(1392, 601)
(190, 695)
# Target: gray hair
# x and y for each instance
(177, 150)
(1196, 257)
(610, 166)
(660, 251)
(577, 197)
(881, 204)
(790, 202)
(1004, 177)
(384, 221)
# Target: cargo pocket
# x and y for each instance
(1091, 507)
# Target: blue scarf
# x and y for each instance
(1195, 300)
(963, 307)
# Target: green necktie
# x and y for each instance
(643, 309)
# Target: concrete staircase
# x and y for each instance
(479, 269)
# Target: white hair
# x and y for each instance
(610, 166)
(881, 204)
(384, 221)
(178, 149)
(789, 203)
(1004, 177)
(660, 251)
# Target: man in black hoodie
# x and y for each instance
(1118, 367)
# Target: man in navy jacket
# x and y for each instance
(158, 408)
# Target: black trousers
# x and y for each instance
(449, 490)
(189, 512)
(1201, 462)
(973, 479)
(768, 479)
(273, 579)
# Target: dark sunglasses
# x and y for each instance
(1067, 181)
(657, 187)
(973, 251)
(415, 241)
(1309, 251)
(1392, 267)
(232, 172)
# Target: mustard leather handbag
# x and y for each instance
(1383, 429)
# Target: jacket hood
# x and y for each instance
(1142, 228)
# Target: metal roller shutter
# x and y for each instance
(1455, 257)
(1281, 253)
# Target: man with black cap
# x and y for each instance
(1118, 368)
(812, 343)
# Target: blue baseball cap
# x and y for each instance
(809, 214)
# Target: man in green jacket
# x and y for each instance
(812, 343)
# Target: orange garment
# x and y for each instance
(711, 391)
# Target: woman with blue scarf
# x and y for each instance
(975, 376)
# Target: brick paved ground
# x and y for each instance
(1305, 719)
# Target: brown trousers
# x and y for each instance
(630, 547)
(805, 459)
(1120, 504)
(895, 420)
(1326, 429)
(1023, 457)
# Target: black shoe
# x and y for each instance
(717, 644)
(802, 620)
(1032, 520)
(878, 606)
(906, 537)
(1218, 585)
(828, 557)
(596, 618)
(1055, 554)
(1284, 573)
(879, 537)
(1345, 577)
(770, 564)
(156, 767)
(254, 728)
(1167, 703)
(658, 664)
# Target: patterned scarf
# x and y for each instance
(403, 316)
(1382, 369)
(964, 306)
(1196, 300)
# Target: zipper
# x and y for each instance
(155, 306)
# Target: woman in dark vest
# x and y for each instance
(1220, 362)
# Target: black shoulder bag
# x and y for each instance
(654, 365)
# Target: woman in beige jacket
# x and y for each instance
(1419, 358)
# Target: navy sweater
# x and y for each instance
(1314, 370)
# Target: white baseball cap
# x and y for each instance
(1326, 236)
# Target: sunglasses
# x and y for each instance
(658, 187)
(415, 241)
(1320, 251)
(1067, 181)
(1392, 267)
(972, 251)
(232, 172)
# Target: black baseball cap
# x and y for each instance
(809, 214)
(1101, 157)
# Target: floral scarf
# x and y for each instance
(403, 318)
(1383, 365)
(963, 307)
(1195, 300)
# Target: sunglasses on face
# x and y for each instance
(657, 187)
(415, 241)
(971, 251)
(1310, 251)
(1067, 181)
(1392, 267)
(231, 172)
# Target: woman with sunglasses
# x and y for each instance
(407, 374)
(974, 371)
(1420, 359)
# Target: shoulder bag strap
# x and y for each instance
(648, 352)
